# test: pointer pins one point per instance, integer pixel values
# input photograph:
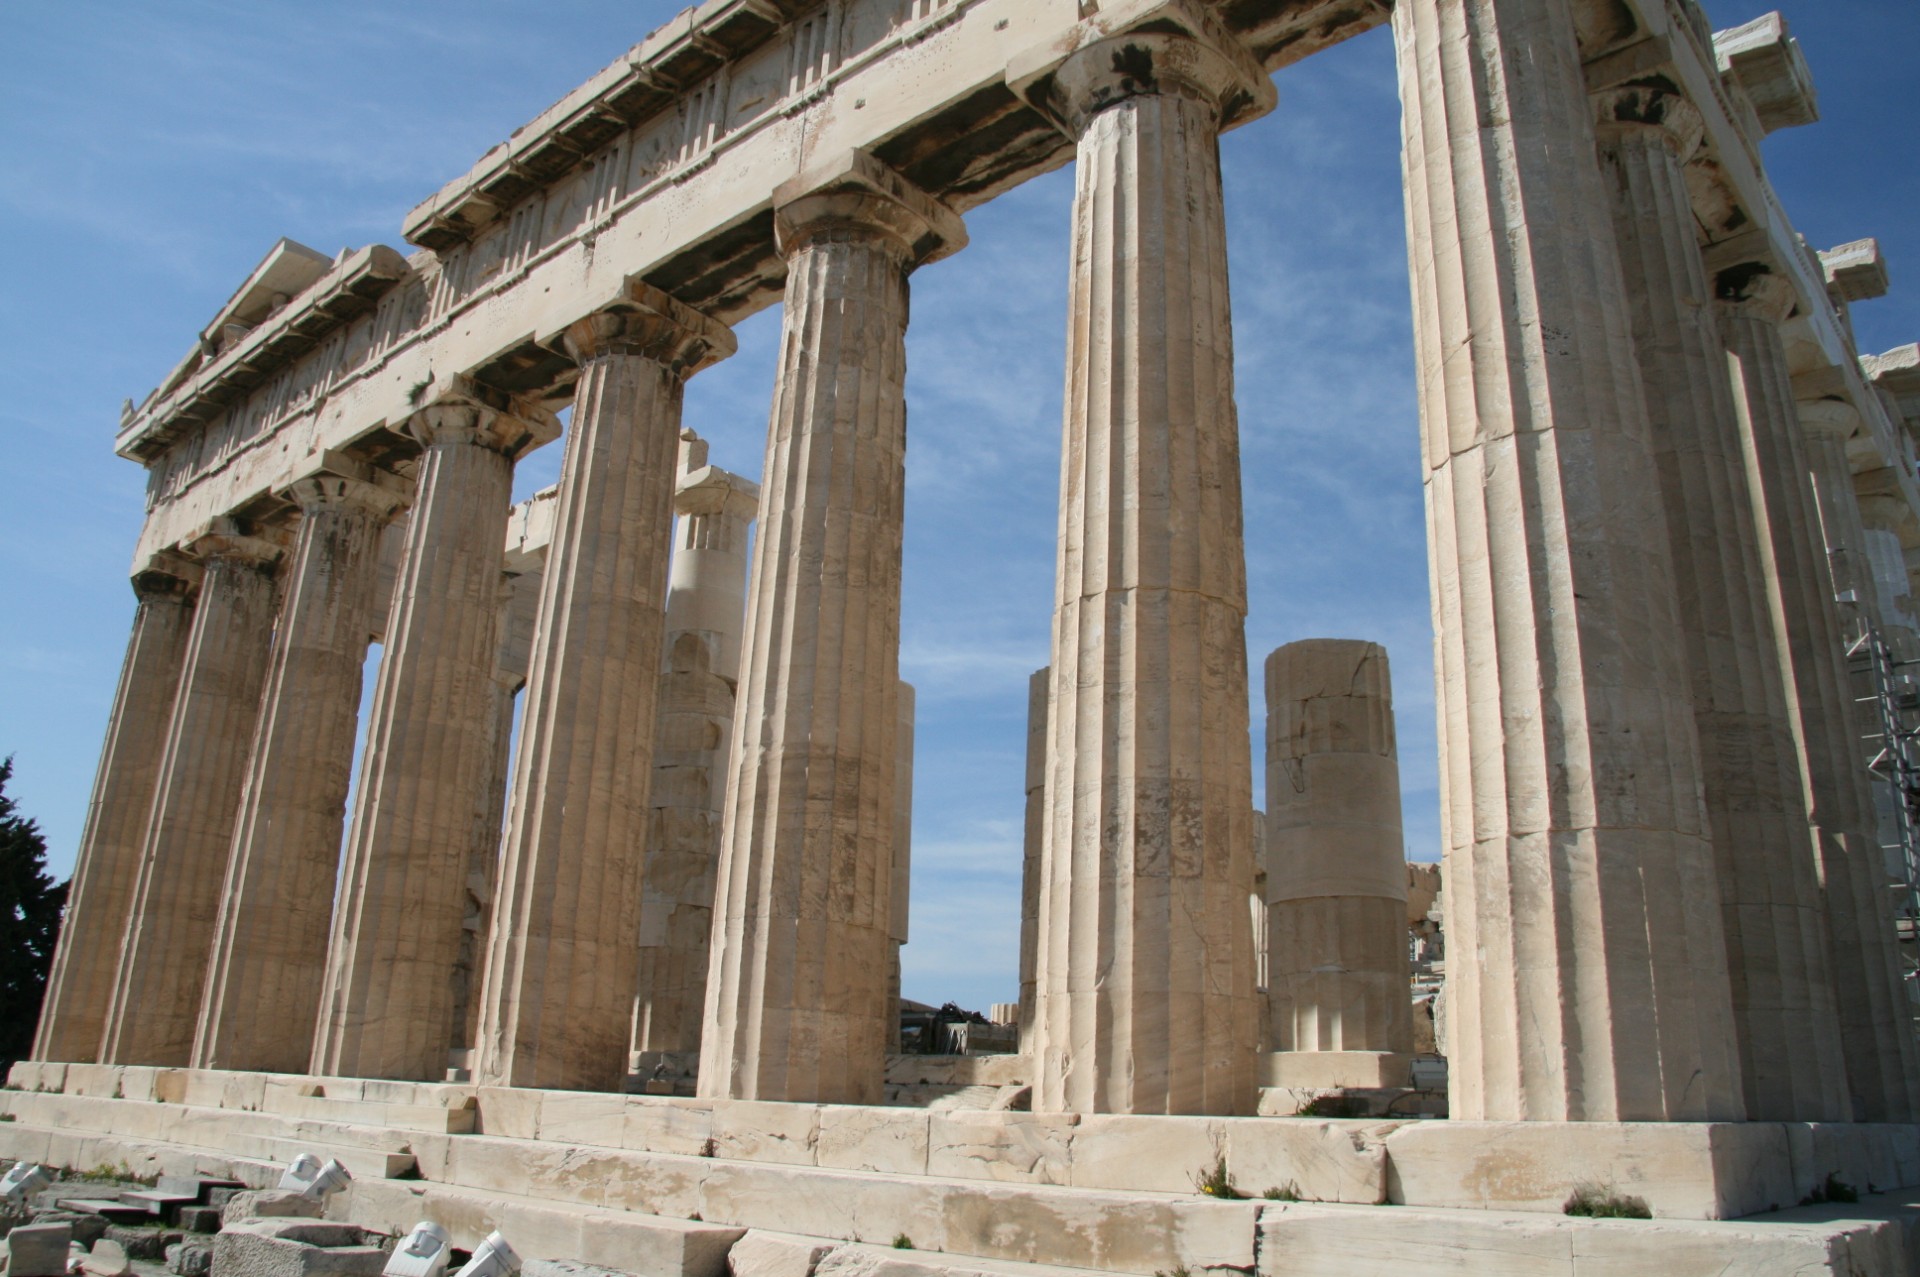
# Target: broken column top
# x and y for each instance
(1764, 60)
(1329, 696)
(1856, 271)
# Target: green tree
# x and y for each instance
(30, 910)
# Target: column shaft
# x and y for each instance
(74, 1014)
(1786, 1027)
(1590, 976)
(1039, 689)
(1336, 868)
(389, 1007)
(1875, 1021)
(798, 987)
(270, 944)
(564, 949)
(1144, 961)
(176, 898)
(706, 603)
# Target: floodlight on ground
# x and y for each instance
(421, 1253)
(24, 1180)
(300, 1172)
(492, 1258)
(332, 1178)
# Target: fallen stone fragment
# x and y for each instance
(268, 1203)
(38, 1250)
(190, 1258)
(294, 1248)
(108, 1258)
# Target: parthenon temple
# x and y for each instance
(604, 952)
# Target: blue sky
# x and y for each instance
(152, 150)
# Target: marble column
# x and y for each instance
(269, 960)
(706, 605)
(563, 953)
(900, 884)
(74, 1013)
(389, 1007)
(1336, 869)
(1825, 427)
(1144, 996)
(1875, 1022)
(1039, 688)
(1785, 1024)
(1884, 562)
(162, 972)
(1589, 979)
(797, 990)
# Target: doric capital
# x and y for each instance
(333, 481)
(1753, 289)
(854, 196)
(1884, 511)
(235, 541)
(710, 490)
(460, 410)
(166, 575)
(1634, 108)
(1828, 420)
(649, 323)
(1188, 52)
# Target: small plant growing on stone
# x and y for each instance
(1834, 1190)
(709, 1148)
(902, 1242)
(1596, 1201)
(1217, 1181)
(1179, 1270)
(1287, 1192)
(1332, 1106)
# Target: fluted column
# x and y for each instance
(183, 858)
(1825, 427)
(1875, 1022)
(706, 604)
(563, 952)
(1590, 977)
(270, 944)
(1784, 1020)
(797, 988)
(1144, 959)
(1336, 869)
(1884, 560)
(900, 885)
(74, 1013)
(1039, 689)
(389, 1006)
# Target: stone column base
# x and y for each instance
(1336, 1070)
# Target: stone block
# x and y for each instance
(1683, 1170)
(108, 1258)
(268, 1203)
(295, 1248)
(509, 1112)
(892, 1141)
(139, 1242)
(190, 1258)
(1009, 1147)
(200, 1219)
(665, 1186)
(1320, 1161)
(567, 1268)
(1158, 1154)
(668, 1126)
(764, 1254)
(87, 1229)
(1303, 1240)
(38, 1250)
(754, 1131)
(582, 1118)
(1335, 1070)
